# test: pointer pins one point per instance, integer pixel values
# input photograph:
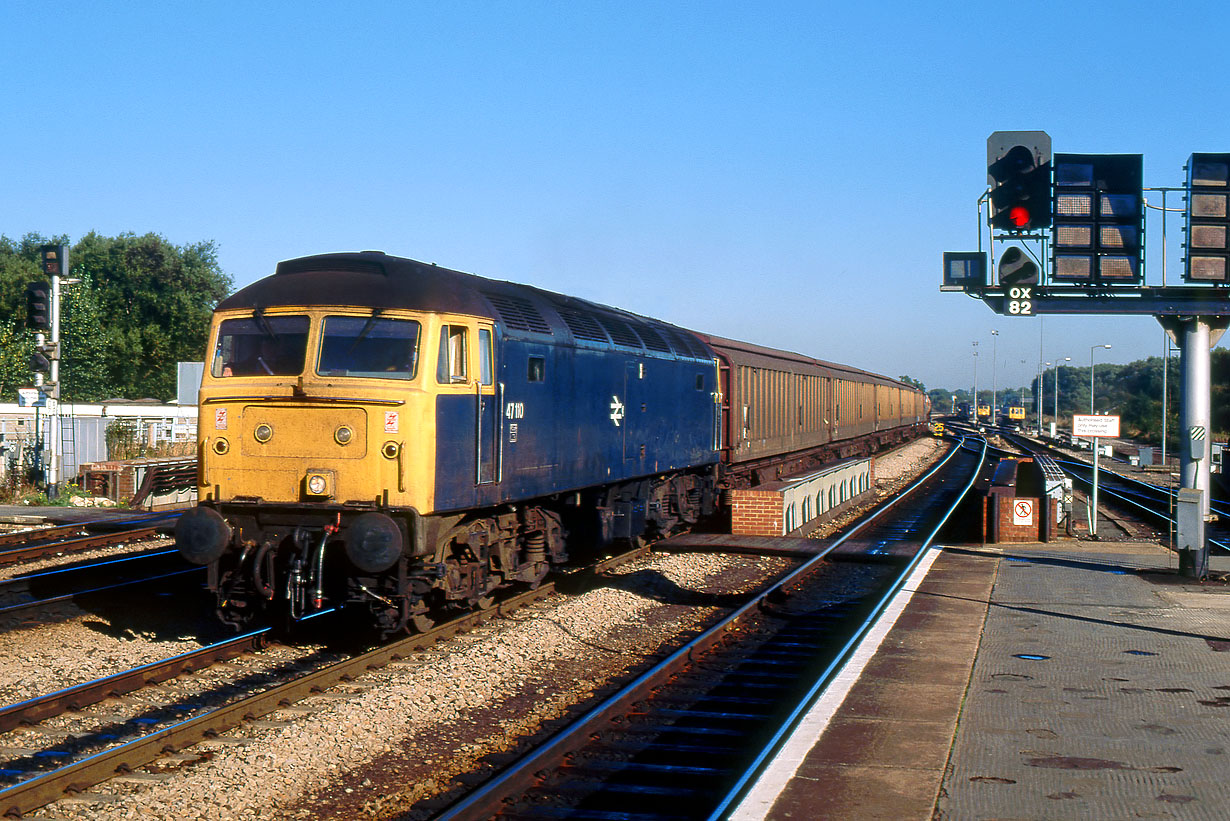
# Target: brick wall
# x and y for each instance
(756, 512)
(1014, 533)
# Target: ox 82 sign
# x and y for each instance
(1021, 300)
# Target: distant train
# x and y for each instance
(398, 438)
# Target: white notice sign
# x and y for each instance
(1095, 425)
(1022, 511)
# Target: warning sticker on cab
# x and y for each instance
(219, 418)
(391, 421)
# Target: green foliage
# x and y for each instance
(912, 382)
(142, 305)
(1133, 392)
(941, 400)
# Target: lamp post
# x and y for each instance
(1041, 393)
(1065, 359)
(1093, 514)
(1091, 350)
(994, 381)
(975, 408)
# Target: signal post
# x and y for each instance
(1086, 213)
(43, 317)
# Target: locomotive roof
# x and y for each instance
(373, 279)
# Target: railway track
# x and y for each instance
(43, 588)
(27, 545)
(120, 744)
(1145, 504)
(687, 737)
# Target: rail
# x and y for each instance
(522, 775)
(45, 788)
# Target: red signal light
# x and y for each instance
(1018, 215)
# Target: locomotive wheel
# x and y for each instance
(419, 623)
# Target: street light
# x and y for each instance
(1093, 513)
(1065, 359)
(1041, 393)
(994, 382)
(975, 408)
(1091, 350)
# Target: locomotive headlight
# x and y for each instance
(390, 450)
(343, 435)
(263, 433)
(317, 484)
(221, 446)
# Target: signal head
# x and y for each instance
(1019, 173)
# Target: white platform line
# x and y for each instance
(760, 799)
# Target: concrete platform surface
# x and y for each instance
(29, 515)
(1067, 680)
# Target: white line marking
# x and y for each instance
(760, 799)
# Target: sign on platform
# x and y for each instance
(1022, 511)
(31, 398)
(1095, 425)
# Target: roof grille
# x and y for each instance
(653, 341)
(518, 313)
(685, 344)
(582, 325)
(621, 333)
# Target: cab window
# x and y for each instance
(260, 346)
(451, 367)
(369, 347)
(484, 356)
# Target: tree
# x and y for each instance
(941, 400)
(19, 265)
(143, 304)
(913, 383)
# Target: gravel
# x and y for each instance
(380, 746)
(433, 715)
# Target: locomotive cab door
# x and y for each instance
(486, 418)
(466, 434)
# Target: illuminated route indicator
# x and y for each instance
(1208, 218)
(1099, 219)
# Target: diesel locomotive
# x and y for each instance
(397, 438)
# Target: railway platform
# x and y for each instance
(1077, 679)
(29, 515)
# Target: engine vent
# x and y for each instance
(621, 332)
(518, 313)
(684, 344)
(582, 325)
(652, 340)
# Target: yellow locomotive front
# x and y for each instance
(311, 406)
(316, 459)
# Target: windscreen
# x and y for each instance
(260, 346)
(369, 347)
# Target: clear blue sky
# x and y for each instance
(785, 173)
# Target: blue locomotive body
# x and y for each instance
(569, 415)
(394, 435)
